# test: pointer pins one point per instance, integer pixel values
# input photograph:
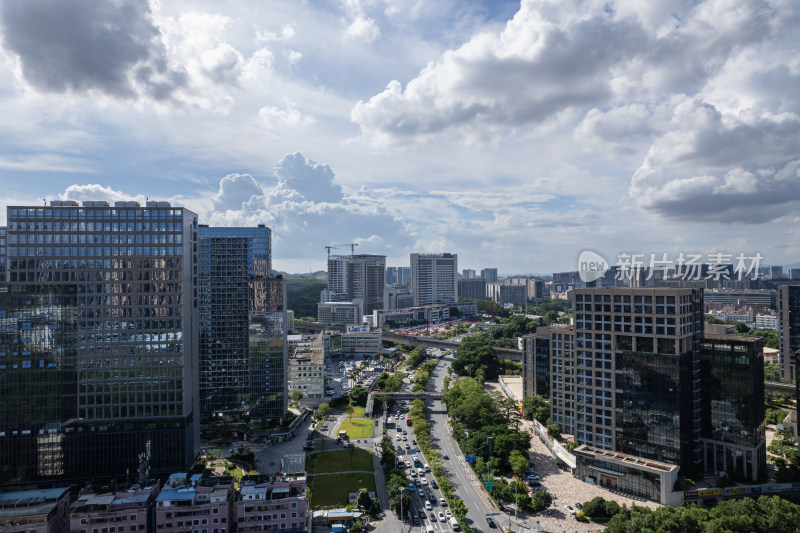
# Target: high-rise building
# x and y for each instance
(733, 406)
(489, 275)
(794, 273)
(434, 278)
(2, 258)
(534, 287)
(789, 330)
(98, 349)
(468, 273)
(502, 293)
(776, 272)
(241, 328)
(397, 298)
(359, 277)
(472, 289)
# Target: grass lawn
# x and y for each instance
(358, 412)
(358, 428)
(339, 461)
(334, 489)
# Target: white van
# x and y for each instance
(428, 528)
(426, 467)
(454, 524)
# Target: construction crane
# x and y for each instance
(352, 246)
(329, 248)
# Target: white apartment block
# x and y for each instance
(434, 278)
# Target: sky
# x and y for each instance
(515, 134)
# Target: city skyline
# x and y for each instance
(514, 134)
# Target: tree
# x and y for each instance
(519, 463)
(477, 352)
(296, 395)
(364, 500)
(349, 410)
(323, 411)
(541, 499)
(772, 372)
(358, 526)
(358, 396)
(554, 430)
(535, 408)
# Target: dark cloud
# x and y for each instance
(111, 46)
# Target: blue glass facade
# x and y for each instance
(242, 324)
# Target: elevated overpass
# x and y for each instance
(398, 396)
(779, 386)
(426, 342)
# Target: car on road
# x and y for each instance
(447, 513)
(397, 438)
(416, 521)
(442, 502)
(570, 510)
(442, 517)
(433, 517)
(433, 484)
(490, 522)
(411, 487)
(408, 464)
(407, 446)
(428, 506)
(413, 473)
(445, 456)
(579, 506)
(534, 484)
(405, 438)
(421, 514)
(533, 477)
(424, 481)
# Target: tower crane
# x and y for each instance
(352, 246)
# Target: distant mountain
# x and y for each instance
(319, 274)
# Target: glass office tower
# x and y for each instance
(242, 324)
(123, 279)
(733, 406)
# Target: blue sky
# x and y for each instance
(512, 133)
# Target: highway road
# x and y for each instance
(466, 486)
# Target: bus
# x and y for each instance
(389, 422)
(416, 460)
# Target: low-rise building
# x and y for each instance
(433, 314)
(767, 321)
(124, 511)
(361, 343)
(38, 511)
(273, 503)
(195, 504)
(339, 312)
